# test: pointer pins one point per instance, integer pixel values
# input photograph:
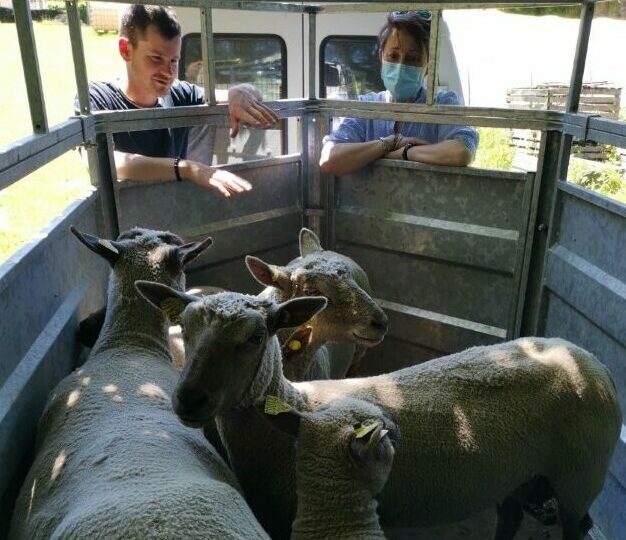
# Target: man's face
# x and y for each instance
(152, 63)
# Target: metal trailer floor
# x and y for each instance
(479, 527)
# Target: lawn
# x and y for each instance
(28, 205)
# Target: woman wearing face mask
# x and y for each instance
(403, 52)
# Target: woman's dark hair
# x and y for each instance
(414, 23)
(137, 18)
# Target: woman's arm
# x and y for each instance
(344, 158)
(451, 152)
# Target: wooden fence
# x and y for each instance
(595, 98)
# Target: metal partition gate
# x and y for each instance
(445, 250)
(266, 221)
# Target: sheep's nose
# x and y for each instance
(380, 321)
(188, 403)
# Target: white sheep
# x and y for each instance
(344, 455)
(479, 428)
(112, 460)
(352, 320)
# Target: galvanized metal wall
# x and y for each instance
(45, 289)
(445, 250)
(265, 221)
(584, 301)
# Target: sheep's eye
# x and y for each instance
(312, 292)
(256, 339)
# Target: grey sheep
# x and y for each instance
(112, 460)
(344, 455)
(479, 428)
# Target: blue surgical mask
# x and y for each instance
(401, 80)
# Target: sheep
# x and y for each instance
(343, 458)
(112, 460)
(480, 427)
(350, 324)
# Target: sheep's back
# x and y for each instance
(112, 452)
(490, 418)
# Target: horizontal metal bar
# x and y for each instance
(347, 7)
(447, 320)
(384, 6)
(171, 117)
(227, 224)
(473, 245)
(438, 114)
(30, 153)
(467, 171)
(249, 5)
(601, 201)
(599, 296)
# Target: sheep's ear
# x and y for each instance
(296, 312)
(309, 242)
(297, 341)
(269, 274)
(365, 440)
(288, 422)
(108, 249)
(190, 251)
(170, 301)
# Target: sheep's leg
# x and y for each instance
(574, 528)
(510, 516)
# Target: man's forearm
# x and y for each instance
(344, 158)
(143, 168)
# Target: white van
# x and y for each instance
(266, 49)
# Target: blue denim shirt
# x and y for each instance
(362, 130)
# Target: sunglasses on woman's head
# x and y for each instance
(423, 15)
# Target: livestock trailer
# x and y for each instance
(456, 256)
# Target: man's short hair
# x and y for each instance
(137, 18)
(413, 23)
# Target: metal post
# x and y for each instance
(551, 141)
(106, 177)
(312, 50)
(78, 54)
(433, 57)
(30, 63)
(208, 54)
(576, 82)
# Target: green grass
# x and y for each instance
(494, 151)
(30, 204)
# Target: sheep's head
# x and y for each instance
(144, 254)
(354, 437)
(351, 315)
(229, 342)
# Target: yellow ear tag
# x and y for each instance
(275, 273)
(107, 244)
(274, 406)
(294, 345)
(173, 307)
(365, 429)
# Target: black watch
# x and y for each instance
(405, 152)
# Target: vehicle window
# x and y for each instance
(349, 67)
(258, 59)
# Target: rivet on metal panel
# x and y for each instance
(542, 227)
